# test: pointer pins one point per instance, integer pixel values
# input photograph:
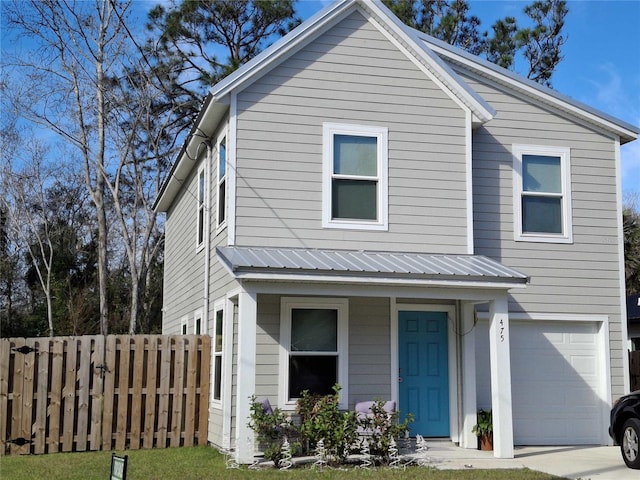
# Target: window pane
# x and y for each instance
(316, 374)
(354, 199)
(222, 159)
(217, 386)
(198, 326)
(314, 330)
(541, 173)
(200, 225)
(541, 215)
(201, 188)
(355, 155)
(218, 339)
(222, 199)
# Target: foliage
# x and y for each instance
(451, 21)
(382, 427)
(271, 430)
(485, 423)
(321, 419)
(631, 228)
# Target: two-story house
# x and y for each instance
(363, 204)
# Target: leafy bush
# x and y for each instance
(271, 429)
(382, 426)
(321, 419)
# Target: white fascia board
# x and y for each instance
(345, 279)
(482, 111)
(626, 131)
(281, 48)
(204, 125)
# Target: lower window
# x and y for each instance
(314, 347)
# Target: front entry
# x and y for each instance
(424, 371)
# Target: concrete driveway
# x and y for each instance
(580, 461)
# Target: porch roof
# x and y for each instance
(299, 264)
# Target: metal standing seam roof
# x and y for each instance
(246, 260)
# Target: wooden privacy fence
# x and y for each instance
(65, 394)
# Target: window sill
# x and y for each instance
(534, 238)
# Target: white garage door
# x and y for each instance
(556, 373)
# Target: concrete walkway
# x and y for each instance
(574, 462)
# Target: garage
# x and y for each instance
(557, 372)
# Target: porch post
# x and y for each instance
(246, 375)
(500, 377)
(468, 439)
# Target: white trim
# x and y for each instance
(341, 305)
(395, 359)
(246, 374)
(232, 145)
(218, 306)
(198, 317)
(184, 325)
(469, 179)
(528, 87)
(564, 154)
(222, 136)
(452, 347)
(549, 317)
(438, 72)
(624, 330)
(345, 279)
(227, 363)
(202, 213)
(329, 130)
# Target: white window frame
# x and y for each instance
(219, 306)
(564, 153)
(221, 220)
(329, 130)
(201, 206)
(184, 325)
(287, 304)
(198, 317)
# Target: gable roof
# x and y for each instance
(330, 16)
(300, 264)
(432, 55)
(557, 101)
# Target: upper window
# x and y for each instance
(314, 341)
(201, 216)
(355, 159)
(542, 194)
(198, 328)
(222, 181)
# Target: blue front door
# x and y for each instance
(424, 371)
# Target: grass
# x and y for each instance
(207, 463)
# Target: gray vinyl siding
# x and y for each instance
(353, 75)
(369, 349)
(183, 265)
(572, 279)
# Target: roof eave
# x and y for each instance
(626, 131)
(379, 280)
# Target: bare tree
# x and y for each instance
(65, 86)
(24, 203)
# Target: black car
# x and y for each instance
(624, 427)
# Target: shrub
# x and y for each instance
(321, 419)
(381, 427)
(271, 428)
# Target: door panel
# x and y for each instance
(424, 371)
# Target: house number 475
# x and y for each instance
(501, 331)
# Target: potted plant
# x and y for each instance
(484, 429)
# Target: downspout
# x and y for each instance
(207, 236)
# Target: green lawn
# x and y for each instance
(207, 463)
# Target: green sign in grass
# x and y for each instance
(119, 467)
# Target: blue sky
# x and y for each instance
(601, 65)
